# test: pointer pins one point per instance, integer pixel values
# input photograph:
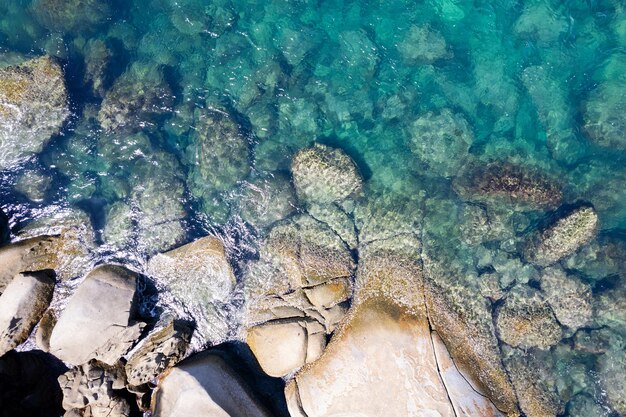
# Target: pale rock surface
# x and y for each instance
(198, 276)
(204, 385)
(22, 304)
(97, 322)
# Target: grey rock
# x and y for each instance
(22, 304)
(33, 108)
(563, 237)
(98, 321)
(324, 175)
(157, 352)
(525, 319)
(44, 330)
(568, 296)
(204, 385)
(266, 200)
(27, 255)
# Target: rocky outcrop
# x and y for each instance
(22, 304)
(160, 350)
(90, 390)
(27, 255)
(33, 107)
(324, 175)
(563, 237)
(296, 293)
(44, 330)
(204, 385)
(569, 297)
(525, 319)
(98, 321)
(201, 280)
(386, 338)
(440, 142)
(502, 182)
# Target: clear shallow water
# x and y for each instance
(537, 83)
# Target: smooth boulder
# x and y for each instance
(98, 321)
(22, 304)
(204, 385)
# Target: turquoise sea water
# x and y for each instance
(412, 91)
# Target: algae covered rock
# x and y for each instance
(267, 199)
(502, 182)
(562, 237)
(73, 15)
(22, 304)
(422, 44)
(604, 115)
(611, 369)
(440, 142)
(569, 297)
(33, 108)
(525, 319)
(324, 175)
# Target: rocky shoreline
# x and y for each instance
(358, 311)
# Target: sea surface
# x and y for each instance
(413, 91)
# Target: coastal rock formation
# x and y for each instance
(90, 390)
(266, 200)
(33, 107)
(611, 370)
(502, 182)
(22, 304)
(158, 351)
(73, 15)
(563, 237)
(324, 175)
(204, 385)
(98, 321)
(136, 99)
(201, 280)
(44, 330)
(525, 319)
(423, 45)
(387, 338)
(296, 293)
(569, 297)
(34, 254)
(440, 142)
(604, 115)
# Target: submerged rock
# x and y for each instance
(440, 142)
(22, 304)
(201, 280)
(604, 115)
(563, 237)
(72, 15)
(33, 185)
(525, 319)
(264, 201)
(99, 319)
(204, 385)
(611, 370)
(324, 175)
(33, 108)
(423, 45)
(569, 297)
(136, 100)
(502, 182)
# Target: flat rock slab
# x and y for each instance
(97, 323)
(22, 304)
(204, 386)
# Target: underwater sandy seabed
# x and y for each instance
(185, 117)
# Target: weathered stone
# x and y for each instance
(338, 220)
(562, 237)
(28, 255)
(44, 330)
(267, 200)
(204, 385)
(440, 142)
(611, 371)
(22, 304)
(502, 182)
(525, 319)
(160, 350)
(604, 114)
(70, 16)
(33, 185)
(199, 277)
(467, 400)
(282, 347)
(98, 321)
(535, 390)
(324, 175)
(92, 387)
(568, 296)
(33, 108)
